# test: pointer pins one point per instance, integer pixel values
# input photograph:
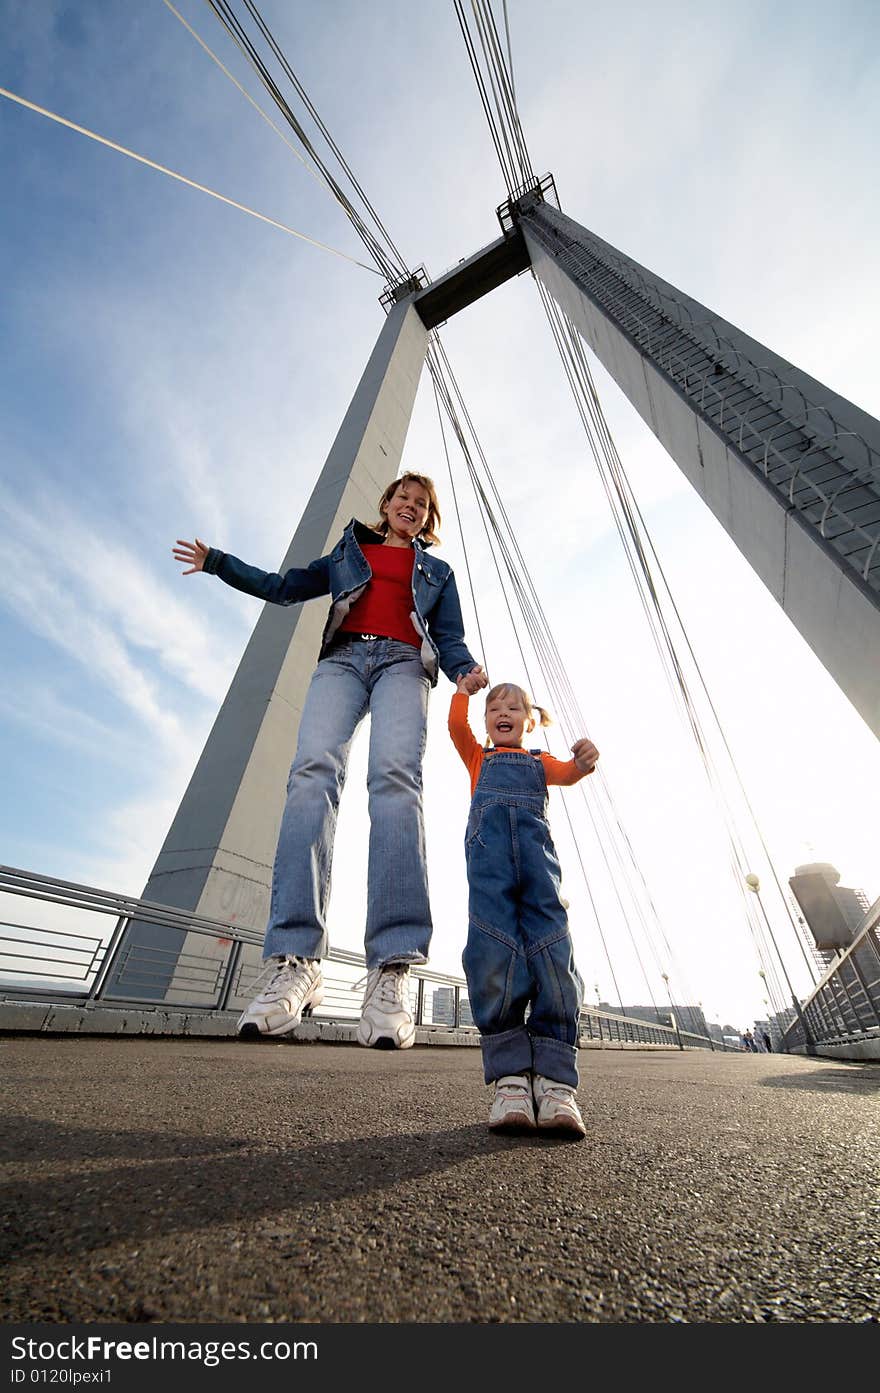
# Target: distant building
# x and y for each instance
(776, 1025)
(832, 912)
(443, 1008)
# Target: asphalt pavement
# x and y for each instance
(159, 1180)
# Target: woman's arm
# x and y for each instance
(292, 588)
(446, 627)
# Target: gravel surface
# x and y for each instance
(204, 1181)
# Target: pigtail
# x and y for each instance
(544, 717)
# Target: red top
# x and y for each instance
(556, 771)
(387, 603)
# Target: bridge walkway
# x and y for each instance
(187, 1180)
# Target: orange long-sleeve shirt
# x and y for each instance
(556, 771)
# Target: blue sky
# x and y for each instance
(174, 367)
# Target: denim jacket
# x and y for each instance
(344, 575)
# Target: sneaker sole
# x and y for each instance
(386, 1042)
(566, 1128)
(251, 1031)
(521, 1122)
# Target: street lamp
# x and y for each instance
(754, 884)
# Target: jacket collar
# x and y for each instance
(367, 536)
(363, 534)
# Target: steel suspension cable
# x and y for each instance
(738, 863)
(495, 57)
(630, 526)
(467, 563)
(236, 31)
(507, 170)
(639, 525)
(510, 59)
(438, 371)
(540, 634)
(310, 107)
(633, 546)
(495, 86)
(247, 96)
(534, 630)
(181, 178)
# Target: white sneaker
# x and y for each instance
(557, 1109)
(294, 988)
(386, 1017)
(512, 1108)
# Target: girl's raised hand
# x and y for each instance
(585, 755)
(471, 682)
(192, 554)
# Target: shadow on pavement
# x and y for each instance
(205, 1182)
(847, 1078)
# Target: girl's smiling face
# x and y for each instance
(507, 718)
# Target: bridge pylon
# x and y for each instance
(788, 467)
(217, 858)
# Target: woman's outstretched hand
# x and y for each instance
(191, 553)
(585, 755)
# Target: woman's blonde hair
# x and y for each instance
(428, 533)
(504, 689)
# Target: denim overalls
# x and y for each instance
(519, 949)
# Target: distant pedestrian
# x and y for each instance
(768, 1045)
(518, 956)
(748, 1040)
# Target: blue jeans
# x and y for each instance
(519, 951)
(386, 678)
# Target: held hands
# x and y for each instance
(192, 552)
(471, 682)
(585, 755)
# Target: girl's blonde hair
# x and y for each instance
(432, 521)
(504, 689)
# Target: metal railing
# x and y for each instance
(844, 1009)
(45, 958)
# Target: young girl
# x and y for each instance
(519, 950)
(394, 619)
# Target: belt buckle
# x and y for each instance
(369, 636)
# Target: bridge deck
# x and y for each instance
(200, 1180)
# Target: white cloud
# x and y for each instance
(72, 581)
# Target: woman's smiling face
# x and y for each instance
(406, 511)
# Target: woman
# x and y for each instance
(394, 621)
